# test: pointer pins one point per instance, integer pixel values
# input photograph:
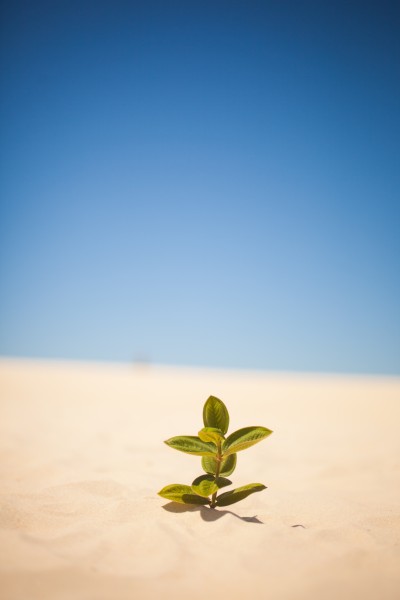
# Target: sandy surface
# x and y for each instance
(81, 460)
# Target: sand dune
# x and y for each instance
(82, 459)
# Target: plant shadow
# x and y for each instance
(207, 514)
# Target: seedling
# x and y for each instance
(218, 459)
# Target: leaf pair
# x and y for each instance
(206, 443)
(226, 468)
(219, 458)
(184, 494)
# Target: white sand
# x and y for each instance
(82, 460)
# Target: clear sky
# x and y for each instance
(201, 183)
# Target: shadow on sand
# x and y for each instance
(207, 514)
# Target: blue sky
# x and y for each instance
(201, 183)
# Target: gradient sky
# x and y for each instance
(201, 183)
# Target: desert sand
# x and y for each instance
(82, 460)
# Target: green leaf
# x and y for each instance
(191, 445)
(228, 465)
(211, 434)
(244, 438)
(223, 482)
(183, 494)
(206, 485)
(215, 414)
(239, 494)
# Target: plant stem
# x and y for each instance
(217, 470)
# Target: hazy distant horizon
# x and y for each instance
(147, 364)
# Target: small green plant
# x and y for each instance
(218, 459)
